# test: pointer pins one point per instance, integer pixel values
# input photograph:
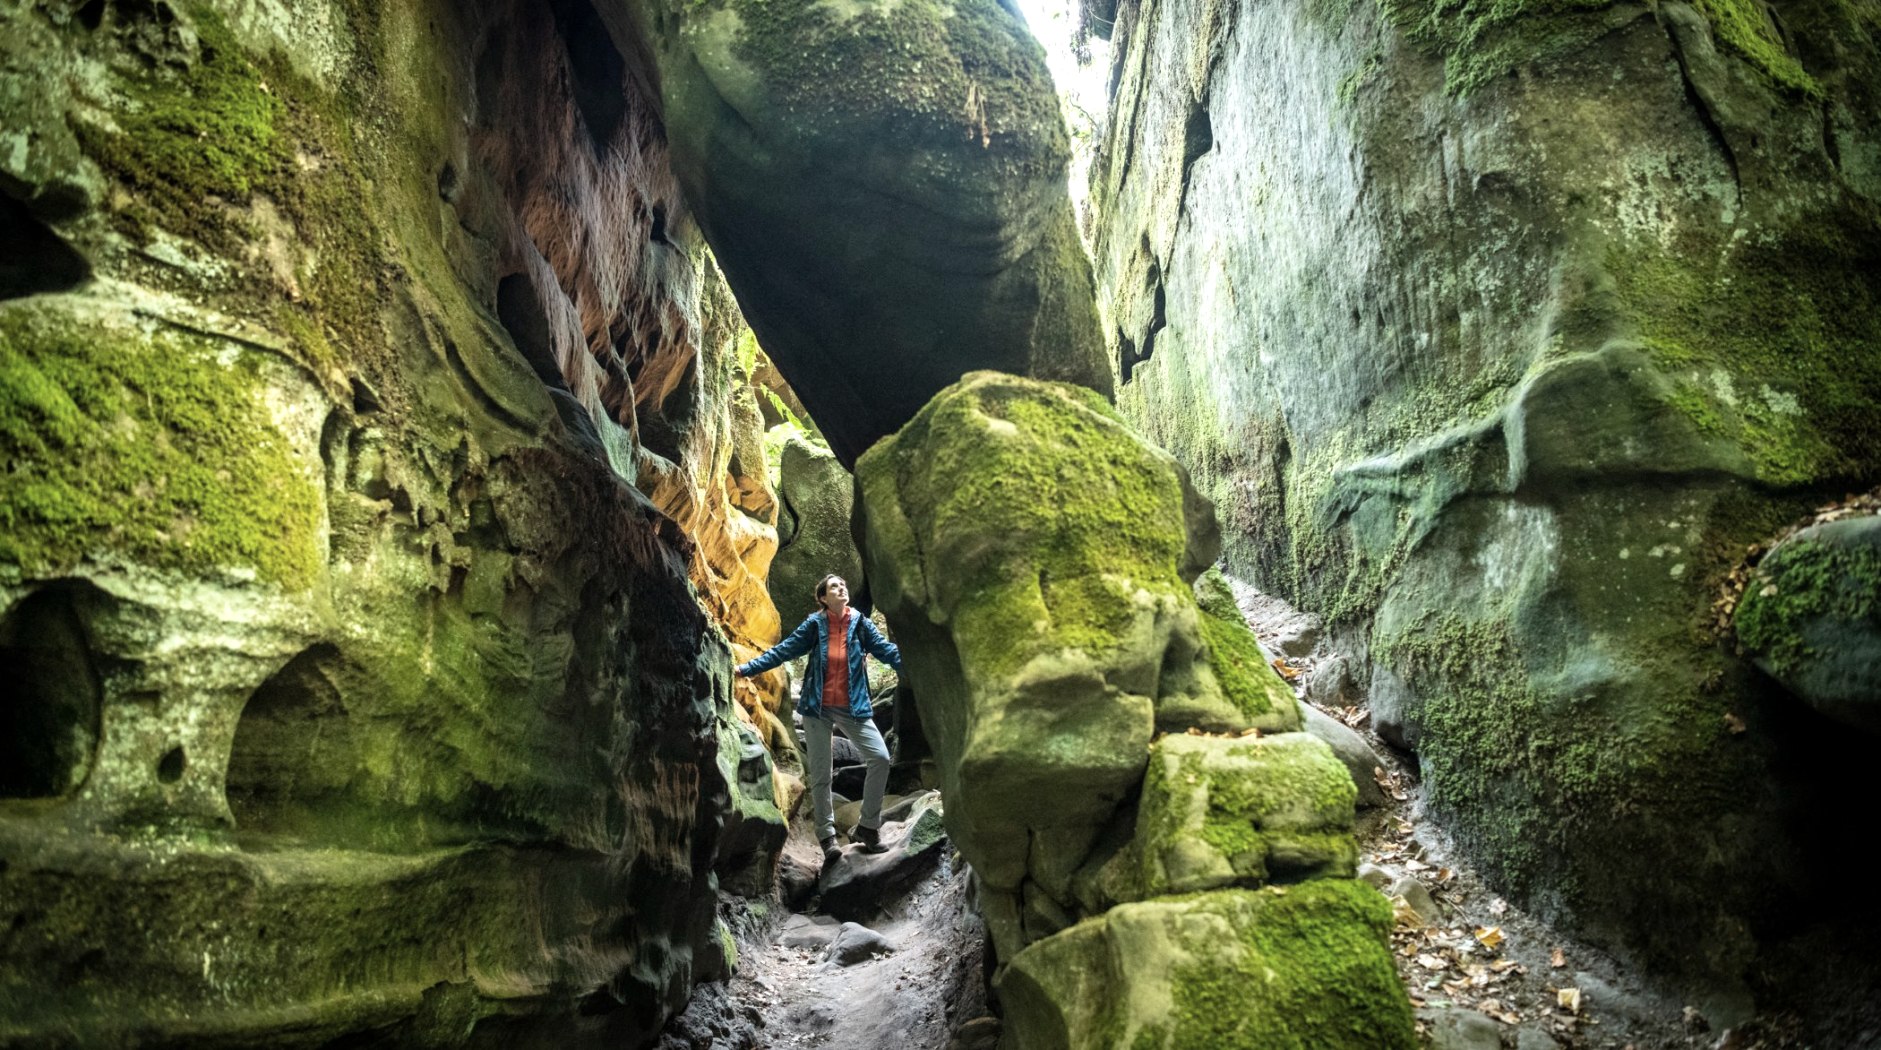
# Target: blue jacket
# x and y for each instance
(813, 634)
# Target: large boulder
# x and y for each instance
(1303, 967)
(1811, 618)
(884, 185)
(1030, 552)
(1497, 333)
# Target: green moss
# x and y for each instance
(728, 946)
(1083, 516)
(1525, 776)
(1485, 39)
(145, 447)
(1234, 654)
(209, 129)
(1745, 27)
(1258, 795)
(1800, 582)
(1312, 972)
(1771, 349)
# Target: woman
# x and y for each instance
(835, 695)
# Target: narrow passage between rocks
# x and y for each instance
(878, 950)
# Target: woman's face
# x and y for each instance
(835, 592)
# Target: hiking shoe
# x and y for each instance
(870, 839)
(831, 852)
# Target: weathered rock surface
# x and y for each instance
(1350, 748)
(1501, 330)
(1458, 1028)
(1811, 618)
(862, 883)
(357, 694)
(817, 497)
(1292, 967)
(884, 185)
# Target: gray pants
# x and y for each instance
(868, 740)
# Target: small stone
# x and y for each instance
(1330, 684)
(1417, 895)
(981, 1033)
(1375, 876)
(1455, 1028)
(857, 943)
(808, 931)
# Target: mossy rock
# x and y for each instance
(1303, 967)
(1257, 696)
(1027, 547)
(1811, 618)
(817, 496)
(151, 444)
(1238, 811)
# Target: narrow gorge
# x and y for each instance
(1379, 505)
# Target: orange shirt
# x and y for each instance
(836, 675)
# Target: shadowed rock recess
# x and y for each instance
(353, 691)
(1036, 559)
(883, 183)
(1499, 333)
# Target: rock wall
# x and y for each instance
(355, 689)
(1498, 333)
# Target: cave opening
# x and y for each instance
(49, 721)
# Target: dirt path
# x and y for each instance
(792, 988)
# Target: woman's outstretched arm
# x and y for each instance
(797, 644)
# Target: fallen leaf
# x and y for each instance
(1498, 906)
(1557, 958)
(1489, 936)
(1568, 999)
(1734, 723)
(1431, 962)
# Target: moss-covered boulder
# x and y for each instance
(1030, 552)
(1303, 967)
(884, 184)
(1239, 811)
(1811, 618)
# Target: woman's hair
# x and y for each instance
(822, 587)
